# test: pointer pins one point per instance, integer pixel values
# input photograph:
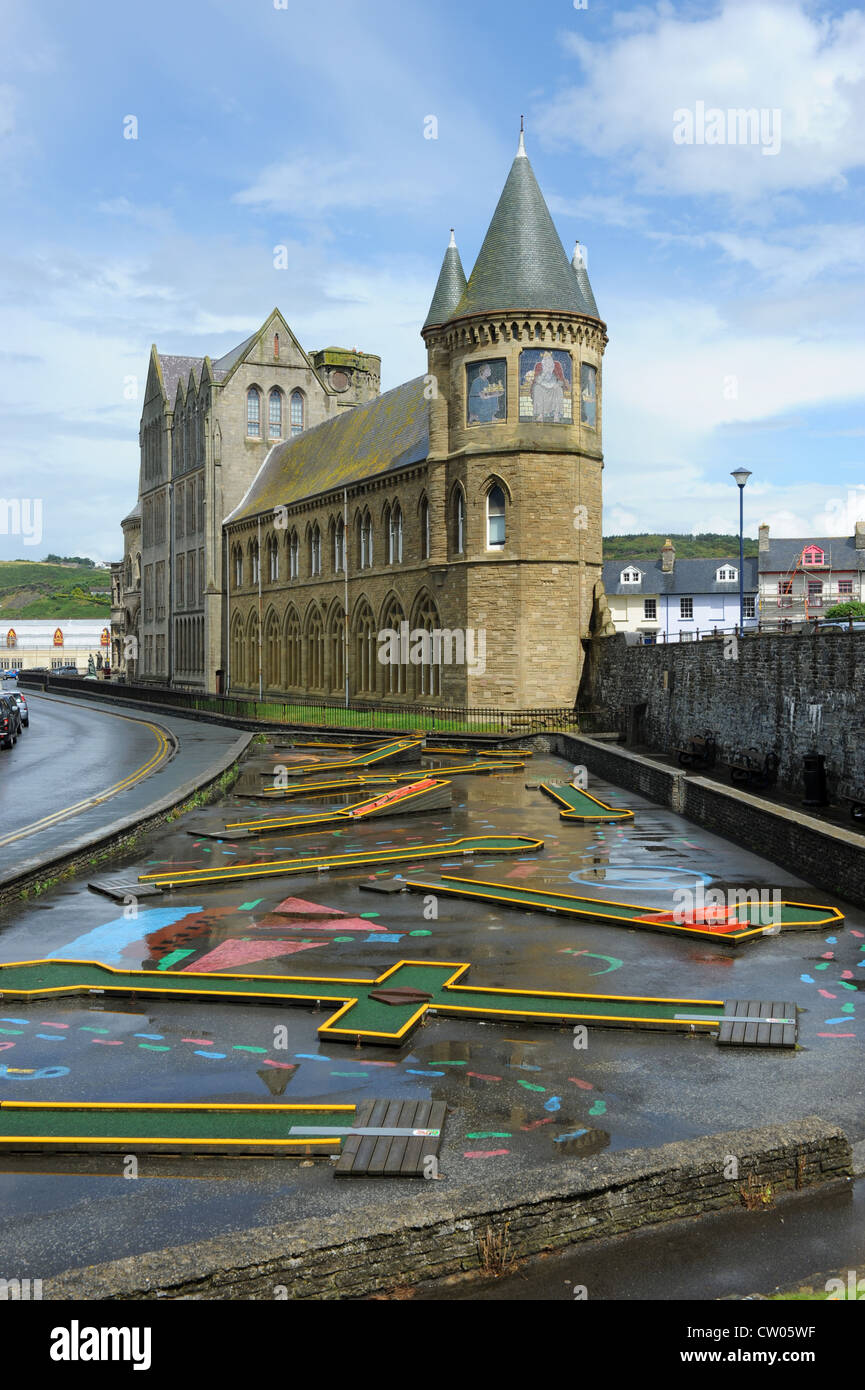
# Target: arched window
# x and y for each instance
(253, 656)
(297, 408)
(314, 651)
(336, 647)
(237, 651)
(365, 547)
(237, 561)
(428, 671)
(293, 650)
(11, 638)
(271, 651)
(459, 522)
(254, 561)
(424, 530)
(395, 668)
(272, 559)
(315, 550)
(365, 665)
(394, 535)
(495, 518)
(253, 412)
(339, 546)
(293, 556)
(274, 414)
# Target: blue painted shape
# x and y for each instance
(554, 1103)
(152, 1037)
(574, 1134)
(312, 1057)
(106, 943)
(51, 1037)
(36, 1074)
(412, 1071)
(14, 1020)
(209, 1054)
(807, 979)
(384, 936)
(845, 1018)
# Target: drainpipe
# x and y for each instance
(260, 685)
(345, 548)
(227, 572)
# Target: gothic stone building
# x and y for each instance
(465, 503)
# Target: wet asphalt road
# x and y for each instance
(72, 755)
(519, 1098)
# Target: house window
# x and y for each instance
(315, 550)
(424, 530)
(293, 556)
(273, 560)
(630, 577)
(253, 412)
(460, 521)
(296, 412)
(686, 608)
(785, 587)
(495, 518)
(650, 608)
(339, 546)
(815, 593)
(813, 555)
(726, 574)
(845, 587)
(274, 415)
(749, 606)
(238, 567)
(365, 539)
(394, 536)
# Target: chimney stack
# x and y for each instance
(668, 557)
(763, 533)
(859, 535)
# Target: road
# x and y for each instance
(79, 767)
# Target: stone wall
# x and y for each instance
(829, 856)
(435, 1233)
(790, 694)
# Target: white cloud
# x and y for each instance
(767, 55)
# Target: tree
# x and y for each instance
(851, 609)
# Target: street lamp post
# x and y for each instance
(741, 475)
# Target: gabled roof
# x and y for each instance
(522, 265)
(223, 365)
(696, 576)
(450, 287)
(785, 554)
(176, 370)
(389, 432)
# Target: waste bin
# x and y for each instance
(814, 777)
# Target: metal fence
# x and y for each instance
(324, 713)
(792, 627)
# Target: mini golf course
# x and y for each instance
(725, 926)
(581, 806)
(478, 844)
(381, 779)
(388, 1009)
(395, 752)
(428, 794)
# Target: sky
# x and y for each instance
(729, 275)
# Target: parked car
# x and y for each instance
(22, 707)
(842, 624)
(10, 721)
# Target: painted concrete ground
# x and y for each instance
(519, 1097)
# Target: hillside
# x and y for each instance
(38, 589)
(646, 546)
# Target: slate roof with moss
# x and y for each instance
(449, 289)
(388, 433)
(522, 264)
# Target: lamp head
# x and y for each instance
(741, 475)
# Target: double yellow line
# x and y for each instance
(161, 755)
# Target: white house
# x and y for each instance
(670, 600)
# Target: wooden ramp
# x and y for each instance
(393, 1155)
(758, 1023)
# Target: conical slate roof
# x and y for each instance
(522, 264)
(450, 287)
(579, 267)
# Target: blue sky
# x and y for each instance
(731, 281)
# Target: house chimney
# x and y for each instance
(763, 533)
(668, 557)
(859, 535)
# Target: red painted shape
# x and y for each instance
(230, 954)
(299, 907)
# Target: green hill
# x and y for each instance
(647, 546)
(38, 589)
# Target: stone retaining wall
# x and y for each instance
(437, 1233)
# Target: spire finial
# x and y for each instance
(521, 148)
(452, 241)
